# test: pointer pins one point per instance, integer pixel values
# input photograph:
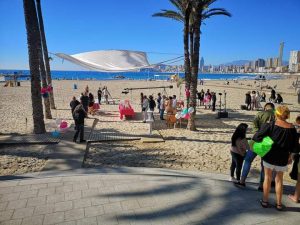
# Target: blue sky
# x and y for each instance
(73, 26)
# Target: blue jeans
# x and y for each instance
(161, 114)
(250, 156)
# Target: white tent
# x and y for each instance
(109, 60)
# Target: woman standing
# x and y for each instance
(285, 140)
(145, 108)
(248, 100)
(239, 145)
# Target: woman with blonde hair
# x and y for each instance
(285, 142)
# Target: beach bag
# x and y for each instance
(294, 172)
(263, 147)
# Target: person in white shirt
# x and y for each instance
(174, 103)
(145, 107)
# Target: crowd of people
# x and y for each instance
(283, 149)
(254, 98)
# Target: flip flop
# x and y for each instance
(291, 197)
(280, 207)
(264, 204)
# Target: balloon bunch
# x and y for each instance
(185, 114)
(46, 90)
(59, 126)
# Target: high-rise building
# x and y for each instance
(260, 63)
(269, 63)
(201, 64)
(276, 62)
(280, 54)
(294, 63)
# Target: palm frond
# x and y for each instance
(169, 14)
(215, 12)
(179, 5)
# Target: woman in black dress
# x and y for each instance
(284, 136)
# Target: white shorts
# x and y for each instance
(276, 168)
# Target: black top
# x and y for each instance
(79, 115)
(99, 92)
(248, 99)
(85, 100)
(286, 140)
(152, 104)
(73, 104)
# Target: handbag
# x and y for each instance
(263, 147)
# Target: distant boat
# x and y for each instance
(260, 77)
(119, 77)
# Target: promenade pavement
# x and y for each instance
(135, 196)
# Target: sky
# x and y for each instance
(255, 30)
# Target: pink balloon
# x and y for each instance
(63, 125)
(43, 90)
(187, 116)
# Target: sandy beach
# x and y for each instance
(206, 149)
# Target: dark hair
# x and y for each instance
(240, 132)
(269, 105)
(150, 97)
(298, 118)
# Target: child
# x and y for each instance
(239, 145)
(296, 196)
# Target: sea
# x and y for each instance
(93, 75)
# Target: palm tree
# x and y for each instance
(45, 51)
(200, 12)
(33, 35)
(182, 14)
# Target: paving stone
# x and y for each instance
(74, 214)
(10, 197)
(44, 209)
(64, 189)
(93, 211)
(3, 205)
(38, 186)
(67, 223)
(6, 215)
(63, 206)
(55, 198)
(107, 219)
(5, 190)
(73, 195)
(100, 200)
(23, 212)
(8, 184)
(80, 186)
(36, 201)
(130, 204)
(55, 184)
(12, 222)
(112, 207)
(87, 221)
(53, 218)
(28, 194)
(82, 203)
(90, 193)
(22, 188)
(95, 184)
(46, 191)
(17, 204)
(35, 220)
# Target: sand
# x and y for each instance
(207, 149)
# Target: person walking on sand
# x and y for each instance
(239, 145)
(79, 114)
(145, 108)
(213, 101)
(248, 100)
(85, 101)
(286, 142)
(99, 95)
(162, 108)
(158, 101)
(253, 100)
(105, 93)
(141, 100)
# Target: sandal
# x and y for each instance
(280, 207)
(264, 204)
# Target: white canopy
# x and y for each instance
(109, 60)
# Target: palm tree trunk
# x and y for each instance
(44, 84)
(195, 68)
(45, 51)
(33, 35)
(187, 62)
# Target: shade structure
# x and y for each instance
(109, 60)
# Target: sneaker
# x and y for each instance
(239, 184)
(232, 179)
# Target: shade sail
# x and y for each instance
(109, 60)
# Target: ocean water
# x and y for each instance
(93, 75)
